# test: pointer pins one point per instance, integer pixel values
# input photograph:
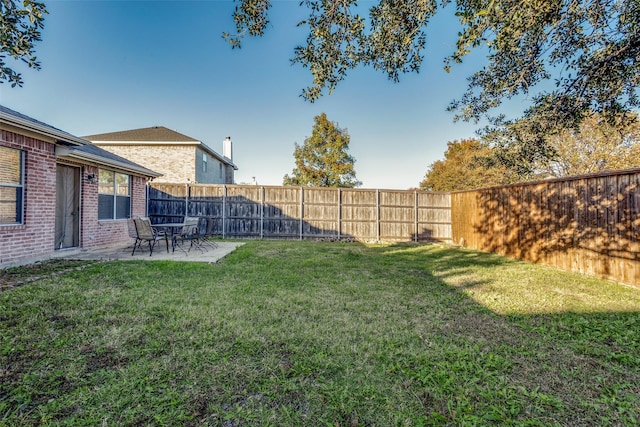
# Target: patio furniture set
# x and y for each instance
(196, 231)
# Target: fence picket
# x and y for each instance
(589, 224)
(304, 212)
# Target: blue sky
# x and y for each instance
(117, 65)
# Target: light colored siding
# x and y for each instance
(229, 177)
(215, 174)
(176, 163)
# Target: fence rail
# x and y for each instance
(589, 224)
(303, 212)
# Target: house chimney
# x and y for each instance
(227, 148)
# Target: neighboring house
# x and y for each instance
(58, 191)
(178, 157)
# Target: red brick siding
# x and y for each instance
(108, 232)
(34, 238)
(89, 209)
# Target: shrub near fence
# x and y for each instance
(305, 212)
(589, 224)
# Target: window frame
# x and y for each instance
(116, 198)
(20, 188)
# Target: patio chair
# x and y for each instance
(198, 239)
(205, 226)
(147, 234)
(188, 233)
(211, 226)
(211, 222)
(158, 231)
(133, 233)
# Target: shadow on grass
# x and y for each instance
(581, 351)
(309, 333)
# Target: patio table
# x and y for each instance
(173, 228)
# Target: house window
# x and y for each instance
(11, 185)
(114, 195)
(204, 162)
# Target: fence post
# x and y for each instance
(262, 212)
(186, 200)
(301, 209)
(224, 210)
(146, 208)
(377, 215)
(339, 213)
(415, 235)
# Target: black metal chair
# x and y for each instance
(209, 233)
(133, 233)
(146, 233)
(201, 233)
(205, 232)
(188, 233)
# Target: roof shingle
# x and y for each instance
(155, 133)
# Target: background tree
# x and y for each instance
(591, 48)
(599, 142)
(20, 25)
(323, 160)
(522, 146)
(467, 164)
(597, 145)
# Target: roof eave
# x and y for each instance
(109, 142)
(57, 135)
(218, 156)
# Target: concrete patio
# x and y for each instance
(123, 253)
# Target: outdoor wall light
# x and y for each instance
(91, 178)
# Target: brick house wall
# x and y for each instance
(35, 238)
(177, 163)
(94, 232)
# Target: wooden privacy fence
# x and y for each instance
(304, 212)
(589, 224)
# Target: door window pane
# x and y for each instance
(123, 207)
(105, 181)
(122, 183)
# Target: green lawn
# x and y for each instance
(317, 333)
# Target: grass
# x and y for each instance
(317, 333)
